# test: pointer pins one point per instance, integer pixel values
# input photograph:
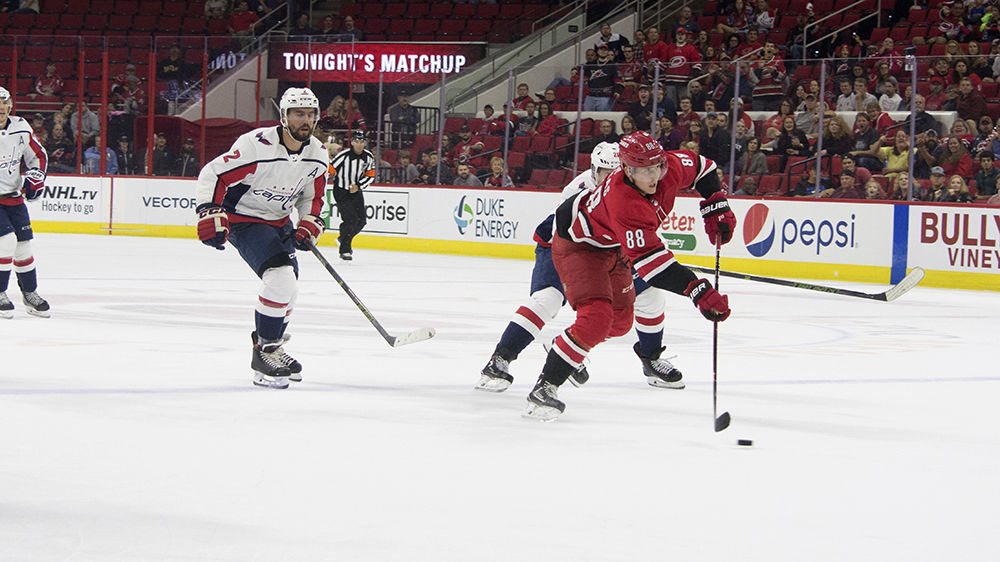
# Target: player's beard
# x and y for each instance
(299, 135)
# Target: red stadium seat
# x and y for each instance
(538, 178)
(522, 144)
(770, 184)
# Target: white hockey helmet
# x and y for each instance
(604, 155)
(5, 95)
(298, 97)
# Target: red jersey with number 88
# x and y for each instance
(617, 214)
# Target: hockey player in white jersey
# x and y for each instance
(246, 196)
(17, 143)
(547, 299)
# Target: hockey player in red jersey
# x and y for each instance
(598, 232)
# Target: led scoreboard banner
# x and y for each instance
(362, 62)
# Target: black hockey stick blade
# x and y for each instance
(892, 293)
(722, 422)
(420, 334)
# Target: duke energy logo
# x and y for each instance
(463, 215)
(758, 230)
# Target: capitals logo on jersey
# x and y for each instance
(260, 137)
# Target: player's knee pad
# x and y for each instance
(621, 323)
(593, 323)
(549, 300)
(8, 243)
(23, 260)
(277, 291)
(649, 307)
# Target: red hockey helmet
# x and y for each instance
(640, 150)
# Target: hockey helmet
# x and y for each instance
(604, 155)
(640, 150)
(358, 135)
(298, 97)
(5, 96)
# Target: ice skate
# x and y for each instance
(543, 402)
(495, 376)
(37, 306)
(347, 256)
(577, 378)
(660, 373)
(6, 307)
(294, 367)
(268, 369)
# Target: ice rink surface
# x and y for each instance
(130, 429)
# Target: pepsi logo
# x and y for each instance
(758, 230)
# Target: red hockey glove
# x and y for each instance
(719, 218)
(712, 304)
(34, 184)
(213, 226)
(310, 229)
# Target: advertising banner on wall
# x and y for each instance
(160, 202)
(71, 199)
(955, 238)
(362, 62)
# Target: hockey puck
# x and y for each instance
(745, 442)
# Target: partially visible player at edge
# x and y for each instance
(18, 142)
(547, 299)
(598, 231)
(246, 196)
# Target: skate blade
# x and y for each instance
(579, 378)
(269, 382)
(295, 377)
(38, 313)
(6, 314)
(490, 384)
(656, 382)
(541, 413)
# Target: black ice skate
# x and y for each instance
(37, 306)
(579, 377)
(268, 369)
(495, 376)
(294, 367)
(347, 256)
(6, 307)
(660, 373)
(543, 402)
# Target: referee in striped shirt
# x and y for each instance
(351, 171)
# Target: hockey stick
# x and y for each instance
(889, 295)
(419, 334)
(721, 422)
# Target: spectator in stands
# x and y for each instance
(940, 68)
(590, 56)
(754, 160)
(173, 69)
(925, 121)
(751, 46)
(899, 187)
(881, 77)
(698, 96)
(906, 97)
(848, 162)
(748, 187)
(522, 99)
(946, 27)
(986, 177)
(404, 119)
(466, 179)
(937, 188)
(873, 190)
(846, 101)
(685, 20)
(127, 164)
(879, 119)
(737, 17)
(664, 106)
(837, 139)
(630, 69)
(971, 104)
(799, 96)
(936, 96)
(61, 150)
(213, 5)
(243, 22)
(955, 158)
(686, 116)
(894, 151)
(740, 139)
(678, 62)
(605, 133)
(807, 120)
(91, 123)
(951, 98)
(888, 54)
(162, 159)
(301, 29)
(628, 125)
(327, 27)
(615, 42)
(37, 122)
(961, 72)
(429, 176)
(890, 100)
(861, 96)
(186, 163)
(721, 82)
(669, 136)
(92, 158)
(865, 138)
(603, 85)
(768, 76)
(548, 123)
(958, 191)
(404, 172)
(794, 45)
(549, 95)
(467, 146)
(772, 126)
(979, 63)
(498, 177)
(791, 142)
(526, 125)
(953, 52)
(764, 18)
(639, 41)
(842, 63)
(9, 6)
(349, 29)
(492, 124)
(49, 84)
(695, 129)
(806, 185)
(989, 26)
(847, 190)
(979, 143)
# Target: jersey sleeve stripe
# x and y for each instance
(649, 265)
(39, 153)
(316, 205)
(706, 166)
(232, 177)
